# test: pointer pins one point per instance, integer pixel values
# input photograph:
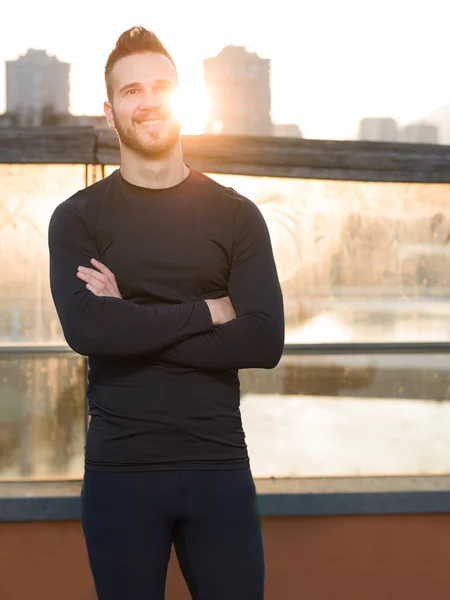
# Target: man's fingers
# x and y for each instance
(92, 275)
(100, 290)
(100, 284)
(96, 278)
(109, 274)
(103, 269)
(103, 280)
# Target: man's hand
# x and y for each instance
(221, 310)
(101, 282)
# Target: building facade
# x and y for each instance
(379, 130)
(421, 133)
(37, 88)
(238, 85)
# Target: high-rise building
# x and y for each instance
(287, 130)
(379, 130)
(238, 84)
(421, 133)
(37, 86)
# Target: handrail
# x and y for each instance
(306, 349)
(242, 155)
(368, 348)
(34, 348)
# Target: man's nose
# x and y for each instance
(149, 99)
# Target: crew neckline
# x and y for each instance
(145, 192)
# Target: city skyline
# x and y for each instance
(331, 65)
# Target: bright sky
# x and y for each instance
(333, 61)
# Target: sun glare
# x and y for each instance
(217, 126)
(191, 108)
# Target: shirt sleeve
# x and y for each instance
(105, 326)
(255, 339)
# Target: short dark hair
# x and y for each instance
(135, 40)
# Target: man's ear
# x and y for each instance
(107, 108)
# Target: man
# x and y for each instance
(167, 281)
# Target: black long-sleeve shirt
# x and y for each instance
(163, 387)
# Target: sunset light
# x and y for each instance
(191, 107)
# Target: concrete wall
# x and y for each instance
(307, 558)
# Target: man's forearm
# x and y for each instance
(247, 342)
(120, 328)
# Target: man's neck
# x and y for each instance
(154, 173)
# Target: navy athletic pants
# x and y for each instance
(130, 521)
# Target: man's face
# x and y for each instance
(141, 109)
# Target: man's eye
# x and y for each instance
(132, 91)
(162, 88)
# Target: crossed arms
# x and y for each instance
(191, 334)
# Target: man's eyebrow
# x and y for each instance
(136, 84)
(129, 85)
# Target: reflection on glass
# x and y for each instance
(318, 416)
(358, 261)
(28, 196)
(42, 417)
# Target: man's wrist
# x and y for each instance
(211, 306)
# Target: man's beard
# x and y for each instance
(152, 146)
